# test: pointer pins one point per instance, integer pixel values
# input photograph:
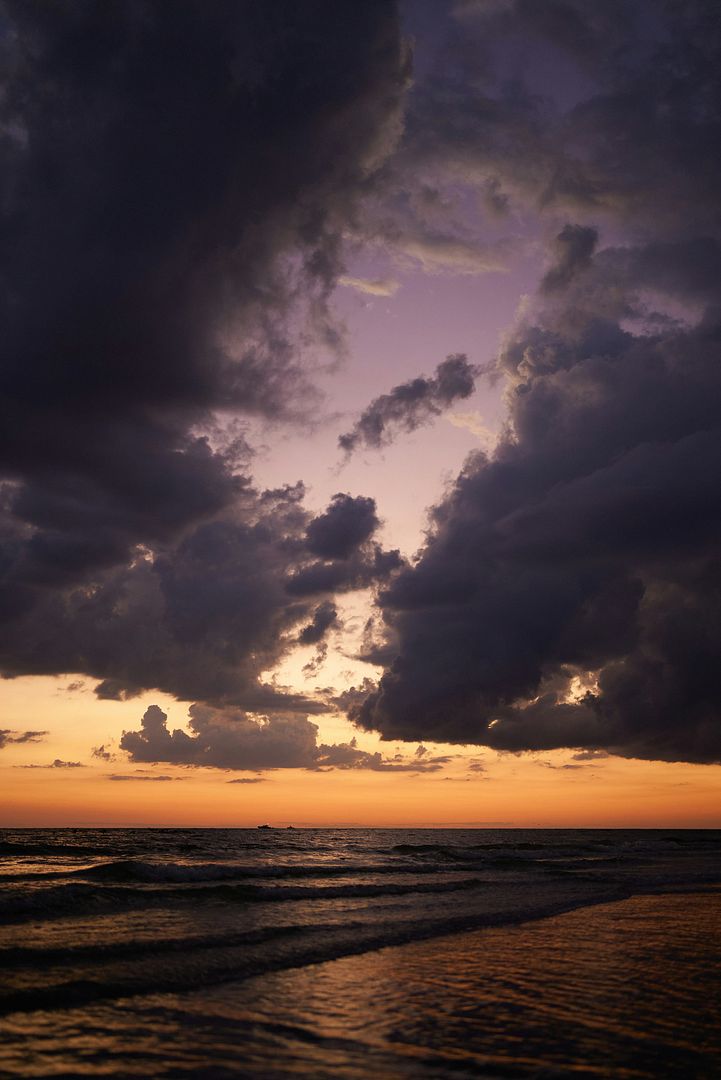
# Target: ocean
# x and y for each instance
(351, 953)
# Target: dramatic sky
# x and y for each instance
(360, 402)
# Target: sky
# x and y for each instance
(360, 384)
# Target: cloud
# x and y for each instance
(139, 776)
(349, 756)
(162, 254)
(347, 523)
(463, 779)
(568, 592)
(586, 543)
(566, 767)
(473, 422)
(371, 287)
(7, 736)
(324, 617)
(249, 780)
(313, 666)
(227, 739)
(57, 764)
(411, 405)
(102, 753)
(160, 258)
(442, 253)
(348, 557)
(230, 739)
(203, 617)
(573, 249)
(518, 115)
(368, 566)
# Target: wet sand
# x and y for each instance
(629, 989)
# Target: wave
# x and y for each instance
(87, 899)
(212, 965)
(12, 847)
(198, 873)
(445, 850)
(36, 956)
(160, 873)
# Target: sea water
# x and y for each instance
(359, 952)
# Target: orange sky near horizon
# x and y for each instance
(545, 789)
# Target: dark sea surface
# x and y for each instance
(353, 953)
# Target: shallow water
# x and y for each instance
(217, 953)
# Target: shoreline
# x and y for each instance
(622, 988)
(28, 1002)
(627, 988)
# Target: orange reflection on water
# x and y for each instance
(626, 990)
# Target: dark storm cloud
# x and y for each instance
(8, 736)
(571, 108)
(175, 189)
(348, 557)
(411, 405)
(569, 594)
(201, 618)
(347, 523)
(587, 544)
(230, 739)
(572, 249)
(366, 567)
(324, 617)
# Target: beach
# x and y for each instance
(386, 955)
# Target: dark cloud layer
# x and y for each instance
(174, 195)
(411, 405)
(570, 591)
(204, 617)
(574, 108)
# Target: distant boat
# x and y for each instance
(290, 826)
(265, 826)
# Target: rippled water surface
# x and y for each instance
(276, 952)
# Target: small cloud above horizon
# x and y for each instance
(141, 776)
(57, 764)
